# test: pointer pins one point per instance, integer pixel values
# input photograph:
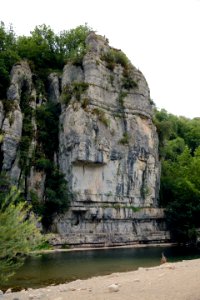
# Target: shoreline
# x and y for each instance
(104, 248)
(169, 281)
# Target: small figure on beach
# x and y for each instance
(163, 259)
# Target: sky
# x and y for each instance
(160, 37)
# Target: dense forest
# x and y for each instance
(179, 141)
(179, 149)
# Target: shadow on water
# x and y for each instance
(59, 267)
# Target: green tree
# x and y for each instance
(180, 183)
(18, 233)
(8, 56)
(71, 44)
(39, 48)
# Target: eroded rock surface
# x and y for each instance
(108, 147)
(109, 154)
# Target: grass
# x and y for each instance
(114, 57)
(122, 95)
(101, 116)
(75, 89)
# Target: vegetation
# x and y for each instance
(122, 95)
(125, 139)
(18, 231)
(179, 140)
(75, 89)
(101, 116)
(45, 50)
(128, 83)
(179, 137)
(113, 57)
(8, 56)
(56, 198)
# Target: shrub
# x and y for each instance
(18, 233)
(114, 57)
(57, 196)
(67, 94)
(85, 103)
(125, 139)
(79, 88)
(101, 116)
(8, 106)
(128, 83)
(47, 119)
(121, 58)
(75, 89)
(43, 164)
(122, 95)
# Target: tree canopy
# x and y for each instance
(179, 140)
(45, 50)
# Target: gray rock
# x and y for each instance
(108, 149)
(21, 80)
(12, 135)
(54, 88)
(109, 155)
(1, 113)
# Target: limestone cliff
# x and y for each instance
(107, 151)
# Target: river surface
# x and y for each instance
(59, 267)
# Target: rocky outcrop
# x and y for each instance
(21, 92)
(11, 125)
(108, 147)
(109, 153)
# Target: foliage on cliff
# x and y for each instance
(45, 50)
(179, 137)
(56, 198)
(179, 140)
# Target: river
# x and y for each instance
(59, 267)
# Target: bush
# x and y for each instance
(8, 106)
(47, 120)
(43, 164)
(125, 139)
(75, 89)
(122, 95)
(114, 57)
(128, 83)
(18, 233)
(101, 116)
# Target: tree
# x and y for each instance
(71, 43)
(18, 233)
(8, 56)
(39, 48)
(180, 184)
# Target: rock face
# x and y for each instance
(108, 148)
(109, 153)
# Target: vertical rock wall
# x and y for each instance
(109, 153)
(108, 148)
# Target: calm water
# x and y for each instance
(54, 268)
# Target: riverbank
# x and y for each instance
(169, 281)
(74, 249)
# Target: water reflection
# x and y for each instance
(59, 267)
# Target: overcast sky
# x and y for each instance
(160, 37)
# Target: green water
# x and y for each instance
(59, 267)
